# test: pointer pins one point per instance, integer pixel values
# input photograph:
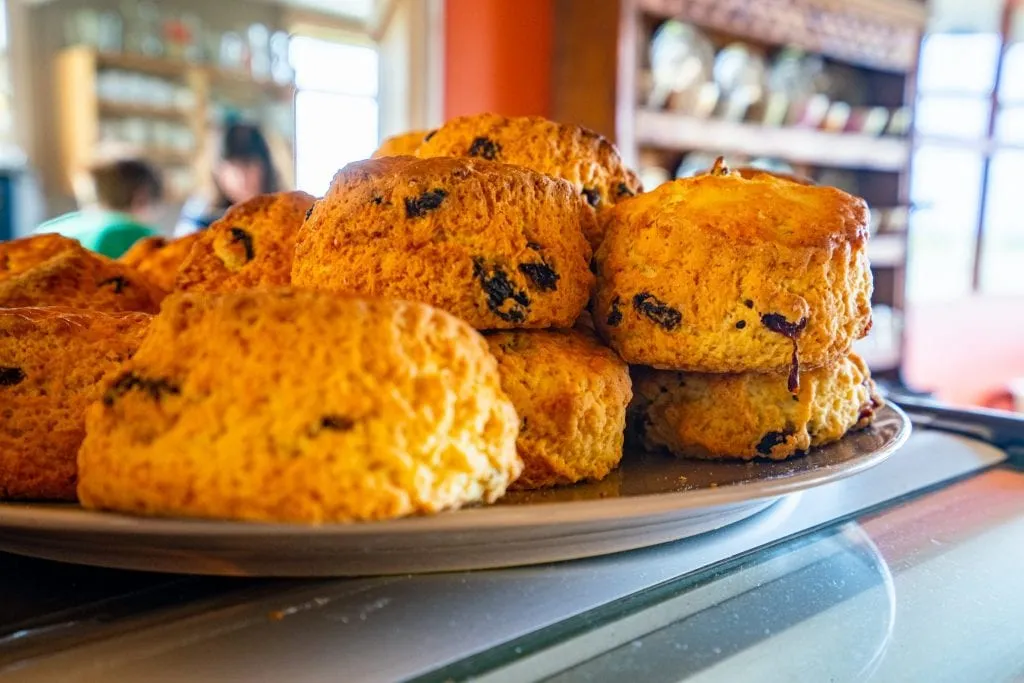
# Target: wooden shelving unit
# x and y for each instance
(81, 111)
(600, 55)
(802, 146)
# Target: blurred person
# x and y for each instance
(243, 169)
(119, 208)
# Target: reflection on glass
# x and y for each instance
(831, 599)
(946, 187)
(1002, 256)
(954, 117)
(959, 63)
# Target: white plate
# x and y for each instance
(651, 499)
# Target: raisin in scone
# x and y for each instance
(159, 258)
(249, 246)
(497, 245)
(79, 278)
(300, 406)
(584, 158)
(17, 256)
(719, 273)
(751, 415)
(51, 364)
(571, 395)
(403, 144)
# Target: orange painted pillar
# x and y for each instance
(498, 56)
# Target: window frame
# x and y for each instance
(989, 145)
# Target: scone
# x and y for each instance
(403, 144)
(79, 278)
(719, 273)
(299, 406)
(159, 258)
(51, 363)
(499, 246)
(571, 395)
(582, 157)
(17, 256)
(751, 415)
(249, 246)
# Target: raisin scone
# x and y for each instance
(751, 415)
(249, 246)
(571, 395)
(159, 258)
(79, 278)
(403, 144)
(582, 157)
(17, 256)
(719, 273)
(497, 245)
(299, 406)
(51, 364)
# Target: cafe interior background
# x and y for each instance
(918, 107)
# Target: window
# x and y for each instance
(966, 235)
(336, 107)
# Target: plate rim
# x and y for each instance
(69, 518)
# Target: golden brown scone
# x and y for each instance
(571, 395)
(159, 258)
(399, 145)
(79, 278)
(718, 273)
(499, 246)
(51, 363)
(300, 406)
(17, 256)
(250, 246)
(751, 415)
(584, 158)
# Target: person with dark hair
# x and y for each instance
(242, 170)
(117, 212)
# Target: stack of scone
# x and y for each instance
(739, 299)
(493, 221)
(418, 339)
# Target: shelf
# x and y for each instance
(144, 111)
(237, 78)
(667, 130)
(169, 157)
(887, 251)
(154, 66)
(878, 34)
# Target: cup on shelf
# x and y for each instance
(868, 120)
(809, 112)
(836, 118)
(899, 122)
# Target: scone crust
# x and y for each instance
(249, 246)
(403, 144)
(571, 395)
(296, 406)
(724, 274)
(51, 364)
(498, 246)
(79, 278)
(576, 154)
(751, 415)
(159, 258)
(17, 256)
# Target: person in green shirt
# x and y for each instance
(127, 195)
